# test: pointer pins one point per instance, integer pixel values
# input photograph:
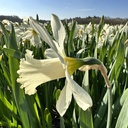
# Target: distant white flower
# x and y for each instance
(31, 35)
(7, 24)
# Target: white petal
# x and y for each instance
(43, 33)
(64, 100)
(82, 98)
(34, 72)
(47, 38)
(58, 30)
(49, 53)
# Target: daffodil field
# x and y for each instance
(63, 75)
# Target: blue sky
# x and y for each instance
(64, 8)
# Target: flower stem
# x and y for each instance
(109, 118)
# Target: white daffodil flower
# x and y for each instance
(7, 24)
(31, 35)
(34, 72)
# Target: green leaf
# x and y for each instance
(70, 38)
(122, 121)
(17, 92)
(6, 35)
(86, 120)
(13, 53)
(124, 97)
(48, 118)
(101, 24)
(119, 57)
(6, 72)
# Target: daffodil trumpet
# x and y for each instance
(34, 72)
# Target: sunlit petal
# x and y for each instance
(49, 53)
(64, 100)
(34, 72)
(41, 30)
(81, 97)
(58, 31)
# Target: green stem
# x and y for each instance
(109, 118)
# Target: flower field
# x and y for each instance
(63, 75)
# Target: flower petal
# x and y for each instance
(49, 53)
(34, 72)
(64, 100)
(47, 38)
(82, 98)
(41, 30)
(58, 31)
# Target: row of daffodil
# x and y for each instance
(108, 31)
(33, 72)
(24, 32)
